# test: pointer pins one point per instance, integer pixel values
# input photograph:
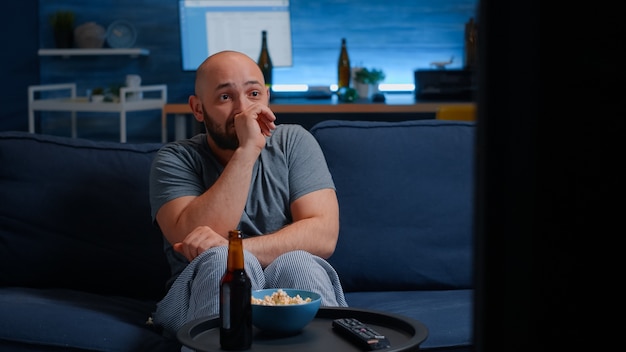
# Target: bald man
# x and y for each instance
(269, 181)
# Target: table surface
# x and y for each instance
(393, 104)
(83, 104)
(404, 334)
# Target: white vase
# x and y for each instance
(362, 89)
(89, 35)
(133, 81)
(97, 98)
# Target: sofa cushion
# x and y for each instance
(75, 214)
(405, 193)
(448, 314)
(48, 319)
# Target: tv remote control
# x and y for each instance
(360, 334)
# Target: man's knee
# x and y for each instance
(298, 260)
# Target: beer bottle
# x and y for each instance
(235, 299)
(265, 62)
(343, 68)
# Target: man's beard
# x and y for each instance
(221, 138)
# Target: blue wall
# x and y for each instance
(156, 22)
(19, 64)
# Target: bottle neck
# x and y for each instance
(344, 60)
(264, 57)
(235, 251)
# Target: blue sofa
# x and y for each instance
(81, 265)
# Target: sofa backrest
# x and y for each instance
(405, 193)
(76, 214)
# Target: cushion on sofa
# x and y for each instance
(75, 214)
(448, 314)
(405, 193)
(58, 319)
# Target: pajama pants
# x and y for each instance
(195, 293)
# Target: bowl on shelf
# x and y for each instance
(284, 311)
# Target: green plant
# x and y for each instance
(62, 20)
(369, 76)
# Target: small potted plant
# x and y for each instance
(366, 81)
(369, 76)
(97, 95)
(62, 23)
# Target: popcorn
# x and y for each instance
(280, 297)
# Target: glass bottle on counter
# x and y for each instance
(265, 61)
(343, 67)
(235, 299)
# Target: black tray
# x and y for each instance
(404, 334)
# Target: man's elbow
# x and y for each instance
(329, 246)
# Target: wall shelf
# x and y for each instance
(132, 52)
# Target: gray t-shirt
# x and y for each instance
(291, 165)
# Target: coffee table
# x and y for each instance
(404, 334)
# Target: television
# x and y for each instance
(210, 26)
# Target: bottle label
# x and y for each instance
(226, 307)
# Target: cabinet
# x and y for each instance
(65, 99)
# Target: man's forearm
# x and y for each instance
(315, 229)
(306, 234)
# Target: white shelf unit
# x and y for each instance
(76, 104)
(132, 52)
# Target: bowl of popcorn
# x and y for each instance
(284, 310)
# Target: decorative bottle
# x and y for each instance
(265, 61)
(235, 299)
(343, 67)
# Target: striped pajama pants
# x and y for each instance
(195, 293)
